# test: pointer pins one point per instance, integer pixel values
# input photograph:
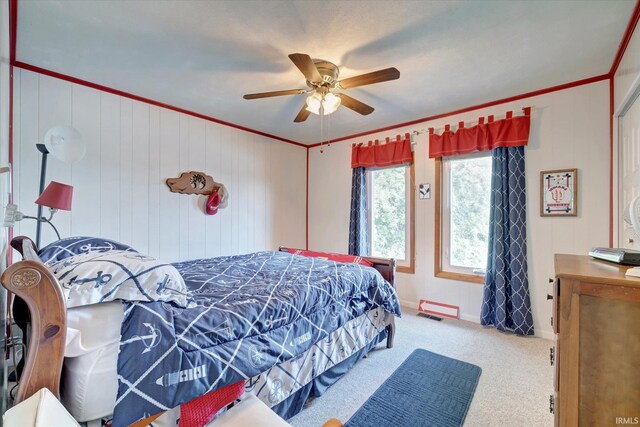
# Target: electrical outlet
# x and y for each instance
(10, 214)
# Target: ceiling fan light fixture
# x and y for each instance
(330, 103)
(313, 103)
(321, 77)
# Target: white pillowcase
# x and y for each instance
(106, 276)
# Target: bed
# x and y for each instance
(287, 325)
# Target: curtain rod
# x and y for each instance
(523, 109)
(424, 130)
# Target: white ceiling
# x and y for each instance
(204, 55)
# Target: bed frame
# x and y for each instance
(40, 311)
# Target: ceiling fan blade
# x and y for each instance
(306, 65)
(274, 93)
(370, 78)
(354, 104)
(303, 114)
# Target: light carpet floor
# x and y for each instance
(514, 387)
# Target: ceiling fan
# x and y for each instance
(322, 77)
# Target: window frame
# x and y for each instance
(407, 266)
(440, 269)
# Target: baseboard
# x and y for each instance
(414, 306)
(469, 318)
(548, 335)
(408, 304)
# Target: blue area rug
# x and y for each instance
(426, 390)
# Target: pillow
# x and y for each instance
(348, 259)
(71, 246)
(118, 274)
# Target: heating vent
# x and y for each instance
(439, 309)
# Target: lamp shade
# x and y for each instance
(56, 196)
(65, 143)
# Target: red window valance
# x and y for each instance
(374, 154)
(508, 132)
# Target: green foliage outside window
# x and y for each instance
(388, 213)
(470, 200)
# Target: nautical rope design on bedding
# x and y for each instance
(293, 374)
(246, 314)
(95, 277)
(70, 246)
(280, 382)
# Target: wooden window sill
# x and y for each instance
(460, 276)
(405, 269)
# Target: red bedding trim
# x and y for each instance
(348, 259)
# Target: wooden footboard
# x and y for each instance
(387, 268)
(31, 281)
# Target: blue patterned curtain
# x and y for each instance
(506, 303)
(358, 229)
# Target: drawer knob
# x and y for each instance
(549, 296)
(551, 403)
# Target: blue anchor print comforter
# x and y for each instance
(245, 314)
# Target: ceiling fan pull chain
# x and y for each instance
(329, 132)
(322, 124)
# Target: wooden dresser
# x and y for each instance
(596, 318)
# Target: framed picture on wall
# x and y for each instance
(559, 192)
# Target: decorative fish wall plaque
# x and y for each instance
(194, 182)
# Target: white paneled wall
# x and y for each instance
(569, 129)
(132, 147)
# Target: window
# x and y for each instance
(390, 203)
(462, 228)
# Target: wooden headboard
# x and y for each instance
(386, 266)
